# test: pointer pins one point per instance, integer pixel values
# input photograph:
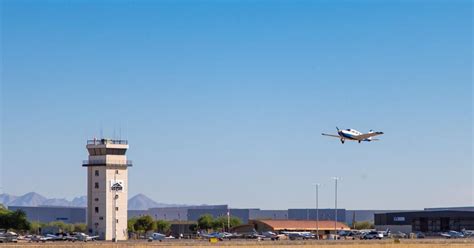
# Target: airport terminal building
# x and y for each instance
(428, 221)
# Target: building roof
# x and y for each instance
(300, 225)
(467, 208)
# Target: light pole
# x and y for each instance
(317, 209)
(335, 207)
(228, 219)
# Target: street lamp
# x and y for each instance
(335, 207)
(317, 209)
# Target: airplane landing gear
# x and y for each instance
(359, 141)
(342, 141)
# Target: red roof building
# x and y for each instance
(324, 226)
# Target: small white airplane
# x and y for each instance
(157, 236)
(452, 235)
(299, 235)
(352, 134)
(84, 237)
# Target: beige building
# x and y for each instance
(323, 227)
(107, 187)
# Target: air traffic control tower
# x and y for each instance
(107, 187)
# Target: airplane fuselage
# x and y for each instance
(352, 134)
(349, 134)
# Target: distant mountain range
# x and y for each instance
(142, 202)
(32, 199)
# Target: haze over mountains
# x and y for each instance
(33, 199)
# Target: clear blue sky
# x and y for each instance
(225, 101)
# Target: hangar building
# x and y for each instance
(47, 214)
(367, 215)
(325, 227)
(310, 214)
(431, 221)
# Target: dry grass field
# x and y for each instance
(435, 243)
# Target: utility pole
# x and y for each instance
(228, 219)
(317, 209)
(335, 207)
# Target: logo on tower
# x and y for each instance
(116, 185)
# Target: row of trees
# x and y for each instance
(207, 222)
(146, 223)
(36, 227)
(13, 220)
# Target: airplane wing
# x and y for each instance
(331, 135)
(367, 135)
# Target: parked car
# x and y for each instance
(372, 235)
(8, 237)
(348, 234)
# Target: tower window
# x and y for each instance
(101, 218)
(96, 185)
(117, 220)
(116, 208)
(96, 210)
(116, 172)
(96, 199)
(113, 151)
(96, 173)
